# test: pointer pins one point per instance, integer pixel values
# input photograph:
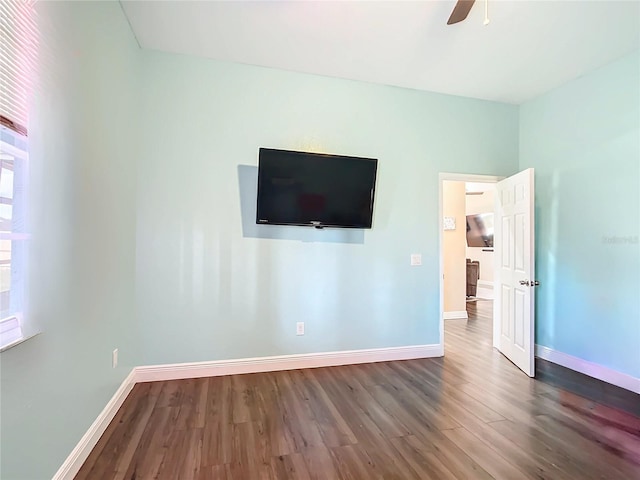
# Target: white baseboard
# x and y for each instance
(484, 290)
(591, 369)
(454, 314)
(79, 454)
(282, 362)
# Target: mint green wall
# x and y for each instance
(144, 169)
(82, 290)
(583, 139)
(212, 285)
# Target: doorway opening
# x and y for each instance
(466, 254)
(514, 261)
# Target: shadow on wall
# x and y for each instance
(546, 245)
(248, 182)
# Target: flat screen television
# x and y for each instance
(314, 189)
(480, 230)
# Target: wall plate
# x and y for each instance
(449, 223)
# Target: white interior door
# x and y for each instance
(513, 312)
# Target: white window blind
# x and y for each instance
(18, 47)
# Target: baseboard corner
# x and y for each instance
(79, 454)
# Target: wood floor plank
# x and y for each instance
(396, 409)
(332, 425)
(153, 446)
(382, 462)
(350, 463)
(469, 415)
(290, 467)
(217, 431)
(367, 405)
(244, 403)
(421, 406)
(171, 393)
(123, 415)
(454, 458)
(296, 421)
(128, 455)
(617, 433)
(118, 453)
(532, 467)
(343, 394)
(548, 450)
(451, 400)
(320, 464)
(593, 445)
(214, 472)
(605, 414)
(421, 458)
(482, 453)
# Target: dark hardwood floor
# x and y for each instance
(588, 387)
(471, 415)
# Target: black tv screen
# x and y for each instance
(480, 230)
(313, 189)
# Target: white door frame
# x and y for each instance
(452, 177)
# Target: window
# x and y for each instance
(14, 237)
(18, 47)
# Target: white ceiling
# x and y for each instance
(528, 48)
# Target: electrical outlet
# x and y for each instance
(300, 328)
(114, 358)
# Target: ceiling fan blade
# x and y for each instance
(460, 11)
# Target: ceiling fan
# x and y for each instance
(462, 9)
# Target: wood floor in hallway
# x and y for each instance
(471, 414)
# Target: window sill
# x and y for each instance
(17, 342)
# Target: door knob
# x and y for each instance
(524, 282)
(535, 283)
